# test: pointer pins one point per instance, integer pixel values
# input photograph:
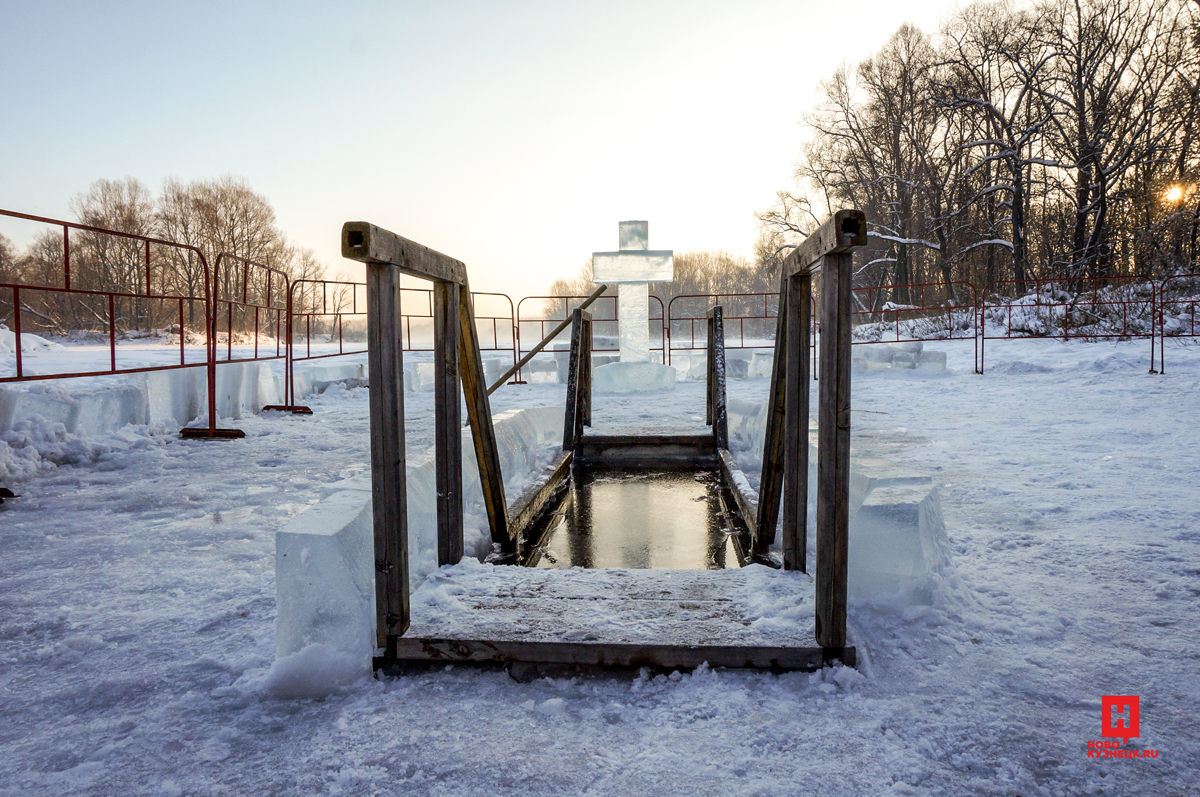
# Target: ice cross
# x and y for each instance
(632, 269)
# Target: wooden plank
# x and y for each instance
(385, 368)
(646, 451)
(596, 294)
(531, 503)
(770, 483)
(747, 506)
(447, 423)
(719, 414)
(601, 654)
(833, 451)
(483, 434)
(369, 244)
(795, 428)
(845, 230)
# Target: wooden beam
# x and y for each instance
(447, 423)
(369, 244)
(747, 507)
(643, 452)
(718, 415)
(483, 434)
(526, 509)
(609, 654)
(389, 507)
(833, 451)
(795, 426)
(596, 294)
(845, 230)
(770, 483)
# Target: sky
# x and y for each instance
(510, 135)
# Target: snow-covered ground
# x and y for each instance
(137, 606)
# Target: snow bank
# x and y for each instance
(177, 397)
(30, 344)
(324, 558)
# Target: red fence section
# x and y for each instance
(246, 290)
(336, 311)
(932, 311)
(134, 307)
(1184, 321)
(162, 285)
(759, 309)
(1088, 307)
(530, 328)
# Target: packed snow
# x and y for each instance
(137, 609)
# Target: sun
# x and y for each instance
(1174, 193)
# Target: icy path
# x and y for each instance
(136, 617)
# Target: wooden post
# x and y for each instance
(389, 506)
(585, 382)
(795, 427)
(833, 451)
(576, 374)
(447, 423)
(718, 416)
(479, 414)
(770, 483)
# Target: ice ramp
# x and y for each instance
(748, 617)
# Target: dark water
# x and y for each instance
(636, 519)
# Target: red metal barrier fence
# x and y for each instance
(1183, 321)
(336, 309)
(249, 291)
(1087, 307)
(115, 284)
(759, 309)
(134, 305)
(605, 321)
(932, 311)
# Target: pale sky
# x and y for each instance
(510, 135)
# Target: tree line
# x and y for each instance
(1021, 141)
(219, 215)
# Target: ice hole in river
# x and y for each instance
(637, 519)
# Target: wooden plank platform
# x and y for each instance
(747, 617)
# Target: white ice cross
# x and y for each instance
(633, 268)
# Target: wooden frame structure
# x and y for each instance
(785, 460)
(456, 357)
(785, 450)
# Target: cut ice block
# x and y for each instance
(626, 377)
(325, 579)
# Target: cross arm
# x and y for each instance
(842, 232)
(367, 243)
